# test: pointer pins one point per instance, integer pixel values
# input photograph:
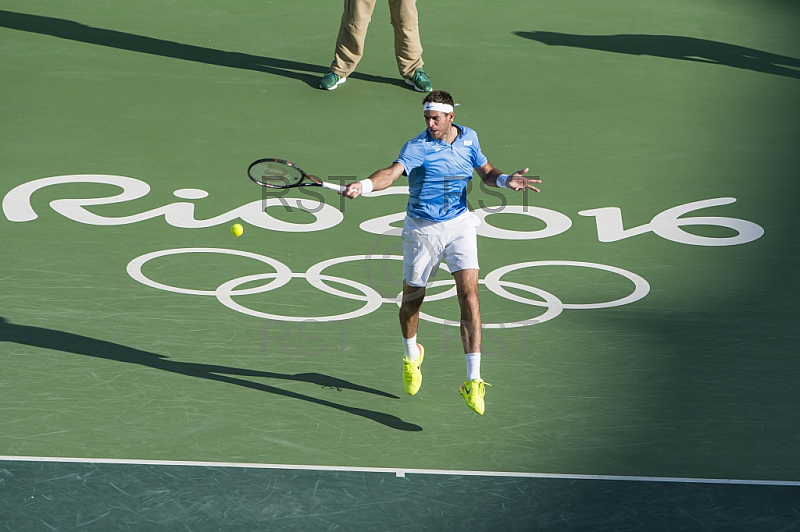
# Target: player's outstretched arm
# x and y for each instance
(516, 181)
(380, 180)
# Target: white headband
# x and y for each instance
(436, 106)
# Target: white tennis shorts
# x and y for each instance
(426, 244)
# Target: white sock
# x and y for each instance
(473, 366)
(411, 349)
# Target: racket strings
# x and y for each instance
(276, 174)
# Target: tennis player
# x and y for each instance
(439, 163)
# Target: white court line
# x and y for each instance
(402, 472)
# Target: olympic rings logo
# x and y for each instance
(372, 300)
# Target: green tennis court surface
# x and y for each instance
(641, 313)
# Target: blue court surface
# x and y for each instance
(640, 314)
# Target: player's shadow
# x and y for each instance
(84, 345)
(676, 47)
(74, 31)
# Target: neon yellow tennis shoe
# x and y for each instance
(412, 374)
(473, 392)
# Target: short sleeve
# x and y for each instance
(411, 156)
(478, 158)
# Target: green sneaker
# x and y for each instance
(412, 374)
(330, 81)
(473, 392)
(421, 81)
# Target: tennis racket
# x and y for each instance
(277, 173)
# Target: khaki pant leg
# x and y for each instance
(407, 45)
(352, 33)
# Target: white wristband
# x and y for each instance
(366, 186)
(502, 180)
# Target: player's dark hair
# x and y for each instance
(439, 97)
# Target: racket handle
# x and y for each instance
(337, 188)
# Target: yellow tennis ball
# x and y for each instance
(237, 229)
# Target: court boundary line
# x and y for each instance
(401, 472)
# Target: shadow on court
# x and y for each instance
(675, 47)
(165, 498)
(74, 31)
(83, 345)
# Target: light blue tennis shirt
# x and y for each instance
(438, 173)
